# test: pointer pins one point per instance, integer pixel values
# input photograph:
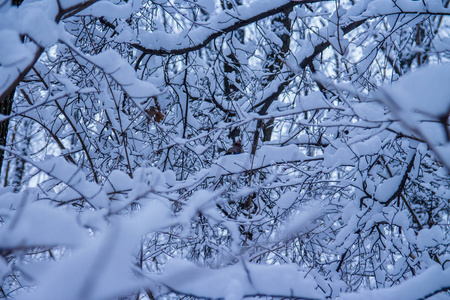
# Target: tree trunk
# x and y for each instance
(5, 109)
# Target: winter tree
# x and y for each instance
(117, 118)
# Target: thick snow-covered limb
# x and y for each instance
(158, 43)
(238, 281)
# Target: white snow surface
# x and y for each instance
(418, 287)
(265, 156)
(426, 90)
(421, 101)
(238, 280)
(41, 225)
